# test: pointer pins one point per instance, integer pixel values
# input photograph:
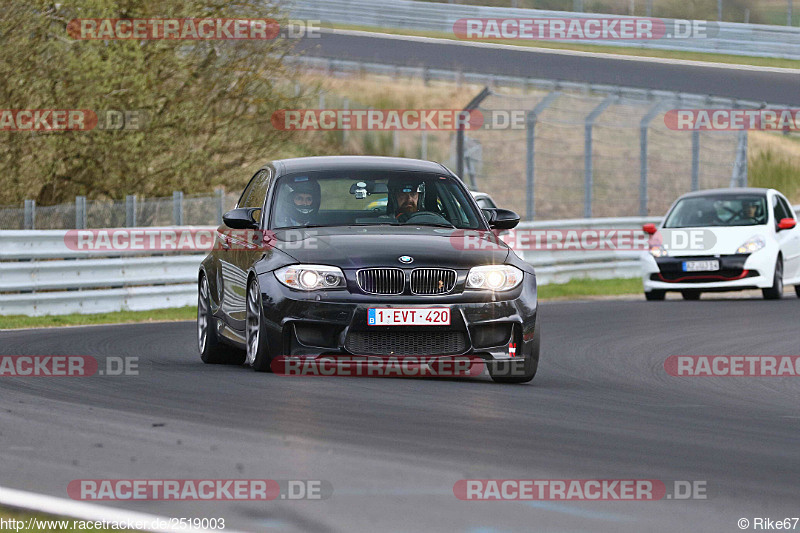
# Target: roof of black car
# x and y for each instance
(356, 162)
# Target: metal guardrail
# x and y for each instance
(733, 38)
(40, 275)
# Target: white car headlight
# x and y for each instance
(658, 251)
(494, 277)
(311, 277)
(753, 244)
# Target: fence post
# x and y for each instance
(80, 212)
(424, 145)
(130, 211)
(220, 192)
(177, 208)
(739, 174)
(460, 132)
(530, 152)
(30, 214)
(695, 160)
(588, 176)
(345, 106)
(744, 175)
(643, 126)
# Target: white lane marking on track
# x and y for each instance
(538, 50)
(31, 501)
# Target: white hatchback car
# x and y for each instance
(723, 240)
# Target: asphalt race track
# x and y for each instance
(601, 407)
(775, 86)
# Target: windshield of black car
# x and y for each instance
(718, 210)
(364, 198)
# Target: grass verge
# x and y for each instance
(578, 288)
(121, 317)
(38, 522)
(604, 49)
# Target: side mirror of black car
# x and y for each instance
(241, 218)
(501, 218)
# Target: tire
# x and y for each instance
(655, 295)
(212, 350)
(258, 354)
(531, 364)
(691, 295)
(797, 290)
(776, 291)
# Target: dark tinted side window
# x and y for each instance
(786, 207)
(778, 210)
(256, 192)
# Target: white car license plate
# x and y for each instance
(418, 316)
(700, 266)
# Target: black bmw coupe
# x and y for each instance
(366, 256)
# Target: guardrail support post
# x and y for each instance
(588, 169)
(80, 212)
(30, 214)
(643, 126)
(530, 152)
(130, 211)
(695, 160)
(177, 208)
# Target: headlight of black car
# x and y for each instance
(311, 277)
(494, 277)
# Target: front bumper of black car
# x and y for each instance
(316, 323)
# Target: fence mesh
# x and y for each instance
(191, 210)
(560, 168)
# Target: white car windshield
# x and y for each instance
(718, 210)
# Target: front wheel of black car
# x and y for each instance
(514, 372)
(212, 350)
(258, 355)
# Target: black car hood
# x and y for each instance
(364, 246)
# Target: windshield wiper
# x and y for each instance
(303, 227)
(434, 225)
